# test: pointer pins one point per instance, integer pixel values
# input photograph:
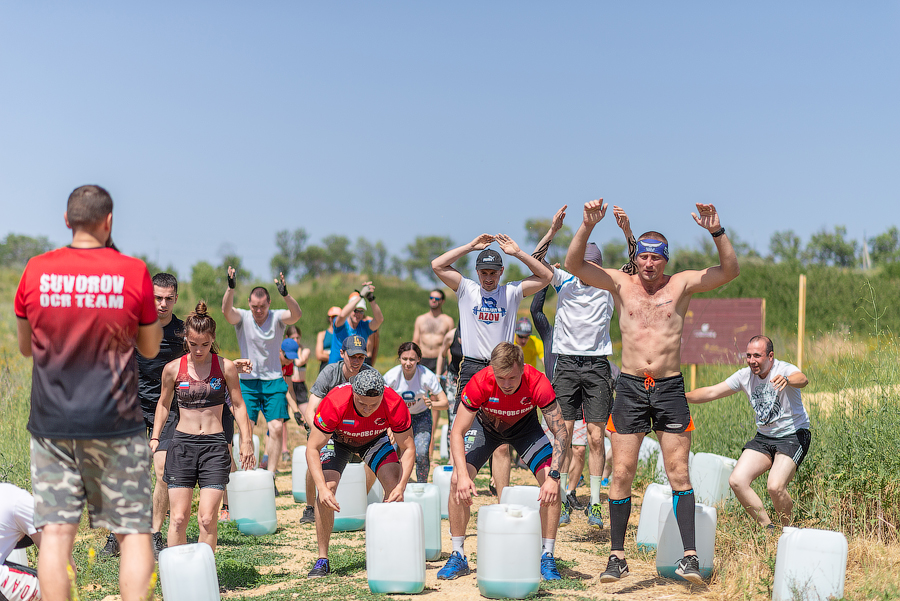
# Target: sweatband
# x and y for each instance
(657, 247)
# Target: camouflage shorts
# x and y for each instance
(112, 475)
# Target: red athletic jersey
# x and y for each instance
(500, 410)
(84, 307)
(338, 417)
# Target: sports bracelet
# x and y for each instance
(156, 439)
(718, 232)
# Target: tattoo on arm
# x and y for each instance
(556, 424)
(631, 266)
(541, 251)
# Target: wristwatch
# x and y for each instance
(554, 474)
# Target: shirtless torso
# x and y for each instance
(429, 332)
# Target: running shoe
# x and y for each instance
(565, 513)
(112, 546)
(264, 462)
(158, 544)
(573, 501)
(605, 483)
(322, 568)
(688, 567)
(594, 517)
(309, 515)
(615, 568)
(548, 567)
(224, 516)
(455, 567)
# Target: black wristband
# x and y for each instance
(231, 282)
(282, 288)
(718, 232)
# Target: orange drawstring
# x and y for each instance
(649, 382)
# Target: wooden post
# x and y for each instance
(801, 321)
(763, 321)
(693, 376)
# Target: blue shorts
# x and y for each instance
(266, 396)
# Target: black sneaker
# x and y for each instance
(322, 568)
(309, 515)
(688, 567)
(573, 502)
(158, 544)
(112, 546)
(615, 568)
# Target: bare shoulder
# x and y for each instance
(447, 320)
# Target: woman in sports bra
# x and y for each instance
(203, 382)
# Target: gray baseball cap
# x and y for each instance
(489, 259)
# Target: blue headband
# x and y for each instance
(657, 247)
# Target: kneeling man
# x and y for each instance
(782, 438)
(499, 407)
(353, 419)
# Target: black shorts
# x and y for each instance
(168, 431)
(583, 386)
(526, 436)
(468, 367)
(645, 404)
(300, 393)
(336, 455)
(198, 459)
(430, 363)
(795, 445)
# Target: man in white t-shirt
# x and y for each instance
(17, 531)
(487, 310)
(782, 439)
(259, 334)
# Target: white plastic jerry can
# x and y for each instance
(236, 450)
(648, 448)
(298, 474)
(251, 501)
(655, 498)
(376, 493)
(188, 573)
(810, 564)
(351, 496)
(395, 548)
(428, 496)
(522, 495)
(444, 445)
(442, 476)
(709, 477)
(670, 549)
(509, 551)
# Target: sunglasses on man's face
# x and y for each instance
(435, 298)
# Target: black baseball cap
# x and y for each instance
(489, 259)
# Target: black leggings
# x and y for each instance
(545, 330)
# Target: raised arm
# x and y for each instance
(291, 302)
(443, 265)
(346, 311)
(542, 272)
(727, 269)
(606, 279)
(625, 224)
(540, 251)
(377, 316)
(709, 393)
(231, 316)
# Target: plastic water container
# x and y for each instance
(670, 549)
(709, 476)
(444, 445)
(251, 501)
(19, 556)
(810, 562)
(441, 476)
(351, 496)
(656, 497)
(188, 573)
(298, 474)
(509, 551)
(661, 476)
(522, 495)
(428, 496)
(648, 448)
(395, 548)
(236, 450)
(376, 493)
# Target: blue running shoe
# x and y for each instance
(564, 514)
(455, 567)
(548, 567)
(322, 568)
(604, 483)
(594, 518)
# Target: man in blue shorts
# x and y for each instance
(499, 406)
(259, 334)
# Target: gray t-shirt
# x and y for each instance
(330, 377)
(261, 344)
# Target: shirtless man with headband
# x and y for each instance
(650, 391)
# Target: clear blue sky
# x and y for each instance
(215, 124)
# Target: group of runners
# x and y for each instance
(113, 366)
